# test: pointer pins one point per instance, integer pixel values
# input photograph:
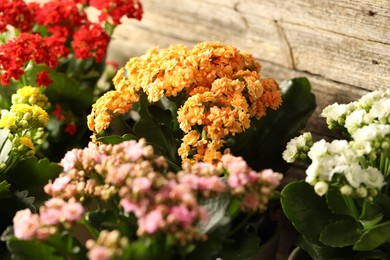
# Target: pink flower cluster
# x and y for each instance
(54, 212)
(255, 188)
(161, 201)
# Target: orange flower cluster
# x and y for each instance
(223, 90)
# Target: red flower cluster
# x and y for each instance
(60, 17)
(15, 13)
(17, 52)
(116, 9)
(43, 79)
(90, 41)
(67, 26)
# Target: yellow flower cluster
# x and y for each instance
(26, 118)
(222, 86)
(32, 96)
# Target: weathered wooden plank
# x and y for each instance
(363, 19)
(345, 59)
(326, 92)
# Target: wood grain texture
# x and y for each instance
(342, 47)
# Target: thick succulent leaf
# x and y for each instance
(341, 233)
(374, 237)
(33, 174)
(307, 211)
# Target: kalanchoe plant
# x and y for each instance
(133, 207)
(342, 209)
(197, 104)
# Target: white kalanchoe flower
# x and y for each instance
(318, 149)
(371, 132)
(368, 99)
(334, 112)
(355, 175)
(375, 178)
(291, 152)
(381, 109)
(355, 120)
(297, 147)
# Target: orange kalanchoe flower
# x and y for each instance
(222, 86)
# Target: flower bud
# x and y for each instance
(321, 188)
(346, 190)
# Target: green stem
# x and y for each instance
(351, 206)
(23, 80)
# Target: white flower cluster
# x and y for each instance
(366, 120)
(297, 148)
(339, 163)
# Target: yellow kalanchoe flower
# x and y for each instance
(222, 86)
(34, 115)
(32, 96)
(26, 141)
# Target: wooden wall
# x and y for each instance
(341, 46)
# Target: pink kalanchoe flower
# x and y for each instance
(117, 175)
(60, 183)
(151, 222)
(251, 201)
(69, 160)
(141, 185)
(234, 165)
(183, 215)
(72, 211)
(132, 207)
(237, 180)
(26, 224)
(134, 150)
(271, 177)
(50, 216)
(99, 253)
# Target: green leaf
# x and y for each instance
(64, 90)
(322, 252)
(31, 249)
(374, 237)
(160, 115)
(307, 211)
(114, 139)
(341, 233)
(263, 143)
(160, 136)
(32, 174)
(210, 248)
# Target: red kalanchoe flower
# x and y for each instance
(43, 79)
(90, 41)
(61, 13)
(71, 129)
(116, 9)
(15, 13)
(58, 112)
(15, 53)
